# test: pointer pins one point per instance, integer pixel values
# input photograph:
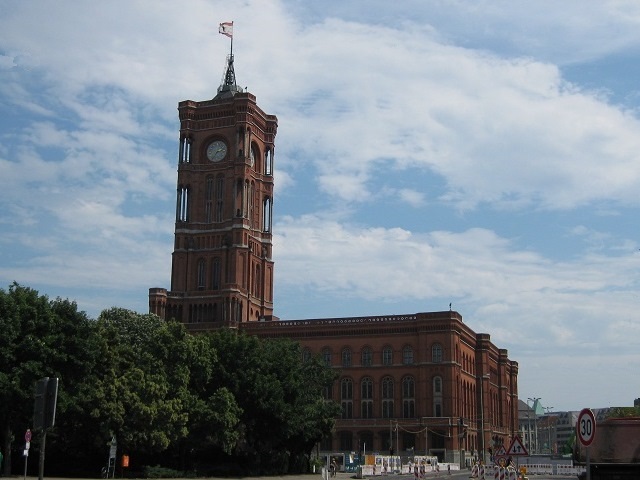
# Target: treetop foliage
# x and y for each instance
(187, 402)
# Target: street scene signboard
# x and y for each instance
(517, 448)
(586, 427)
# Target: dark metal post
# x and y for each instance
(43, 439)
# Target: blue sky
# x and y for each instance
(484, 154)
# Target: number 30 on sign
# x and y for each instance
(586, 427)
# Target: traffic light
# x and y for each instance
(44, 403)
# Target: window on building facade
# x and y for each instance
(202, 278)
(437, 396)
(387, 356)
(185, 150)
(367, 357)
(267, 214)
(387, 397)
(326, 356)
(407, 355)
(436, 353)
(346, 397)
(366, 396)
(346, 357)
(257, 282)
(346, 441)
(327, 393)
(408, 397)
(268, 162)
(219, 199)
(216, 274)
(208, 201)
(408, 440)
(366, 442)
(182, 206)
(306, 355)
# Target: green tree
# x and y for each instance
(623, 412)
(223, 396)
(40, 338)
(141, 383)
(283, 411)
(214, 414)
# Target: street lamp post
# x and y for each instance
(482, 445)
(529, 444)
(535, 422)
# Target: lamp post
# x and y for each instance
(529, 444)
(534, 402)
(482, 379)
(549, 427)
(397, 465)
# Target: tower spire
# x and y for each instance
(228, 85)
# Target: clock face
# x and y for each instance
(216, 150)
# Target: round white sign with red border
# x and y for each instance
(586, 427)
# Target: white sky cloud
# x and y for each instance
(479, 153)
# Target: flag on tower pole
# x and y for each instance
(226, 28)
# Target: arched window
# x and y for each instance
(367, 356)
(257, 283)
(408, 397)
(185, 150)
(437, 386)
(182, 207)
(266, 214)
(346, 441)
(306, 354)
(437, 396)
(366, 395)
(436, 353)
(366, 441)
(216, 274)
(387, 397)
(251, 201)
(346, 357)
(268, 162)
(407, 355)
(387, 356)
(201, 274)
(253, 156)
(346, 397)
(326, 356)
(219, 199)
(208, 200)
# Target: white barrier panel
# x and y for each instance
(569, 470)
(367, 470)
(539, 469)
(505, 473)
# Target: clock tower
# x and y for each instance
(222, 266)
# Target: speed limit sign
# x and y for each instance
(586, 427)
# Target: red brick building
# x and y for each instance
(412, 383)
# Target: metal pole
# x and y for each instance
(397, 450)
(426, 438)
(43, 440)
(535, 423)
(529, 431)
(482, 420)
